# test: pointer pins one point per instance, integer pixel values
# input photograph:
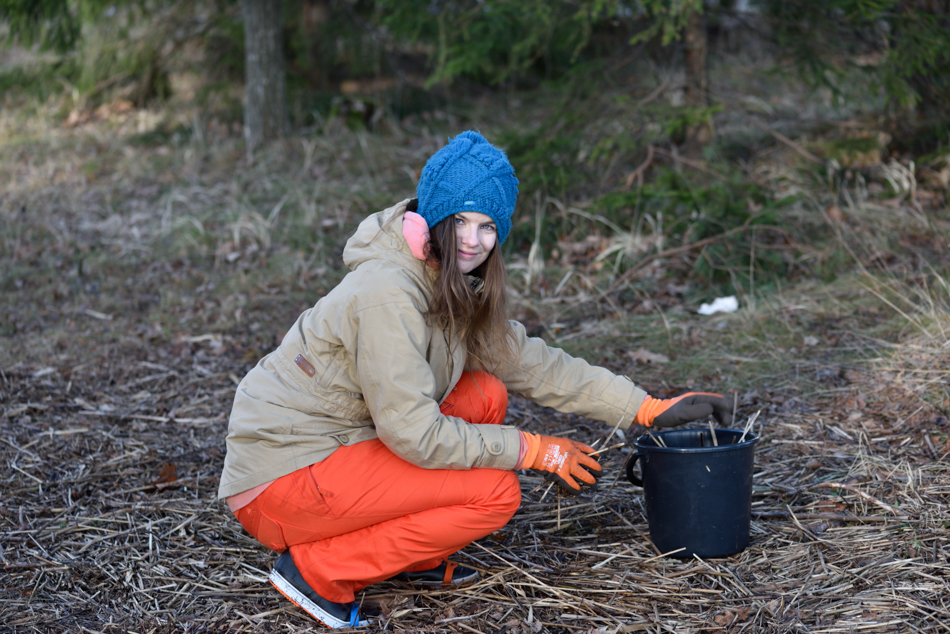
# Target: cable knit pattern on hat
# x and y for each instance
(468, 174)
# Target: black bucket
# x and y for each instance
(698, 496)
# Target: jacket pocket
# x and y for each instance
(320, 395)
(317, 500)
(314, 366)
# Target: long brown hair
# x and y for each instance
(477, 316)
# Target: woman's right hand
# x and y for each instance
(561, 459)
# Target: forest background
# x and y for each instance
(179, 177)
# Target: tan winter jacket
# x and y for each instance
(363, 363)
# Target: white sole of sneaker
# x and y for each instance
(297, 598)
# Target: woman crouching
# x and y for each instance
(370, 445)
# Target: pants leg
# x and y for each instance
(364, 514)
(479, 398)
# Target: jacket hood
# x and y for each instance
(379, 237)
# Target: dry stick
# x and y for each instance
(848, 487)
(712, 430)
(521, 560)
(459, 618)
(609, 489)
(546, 491)
(806, 531)
(802, 589)
(544, 586)
(469, 628)
(662, 555)
(637, 174)
(826, 516)
(629, 273)
(749, 424)
(782, 138)
(600, 451)
(694, 164)
(611, 558)
(611, 434)
(656, 439)
(653, 95)
(606, 440)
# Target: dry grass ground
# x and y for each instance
(140, 281)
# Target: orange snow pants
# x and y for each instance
(364, 514)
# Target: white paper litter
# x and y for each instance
(720, 305)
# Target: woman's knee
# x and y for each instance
(479, 398)
(492, 387)
(512, 490)
(505, 496)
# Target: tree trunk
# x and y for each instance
(265, 91)
(315, 15)
(697, 87)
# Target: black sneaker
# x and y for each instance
(286, 578)
(446, 574)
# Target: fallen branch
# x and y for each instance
(685, 161)
(629, 273)
(783, 139)
(805, 530)
(637, 174)
(858, 492)
(653, 95)
(868, 519)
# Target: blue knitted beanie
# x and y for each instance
(468, 174)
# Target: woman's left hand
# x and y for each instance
(671, 412)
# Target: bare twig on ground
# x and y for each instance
(859, 492)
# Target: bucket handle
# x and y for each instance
(629, 468)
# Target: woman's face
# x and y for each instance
(475, 236)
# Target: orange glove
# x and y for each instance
(562, 460)
(669, 412)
